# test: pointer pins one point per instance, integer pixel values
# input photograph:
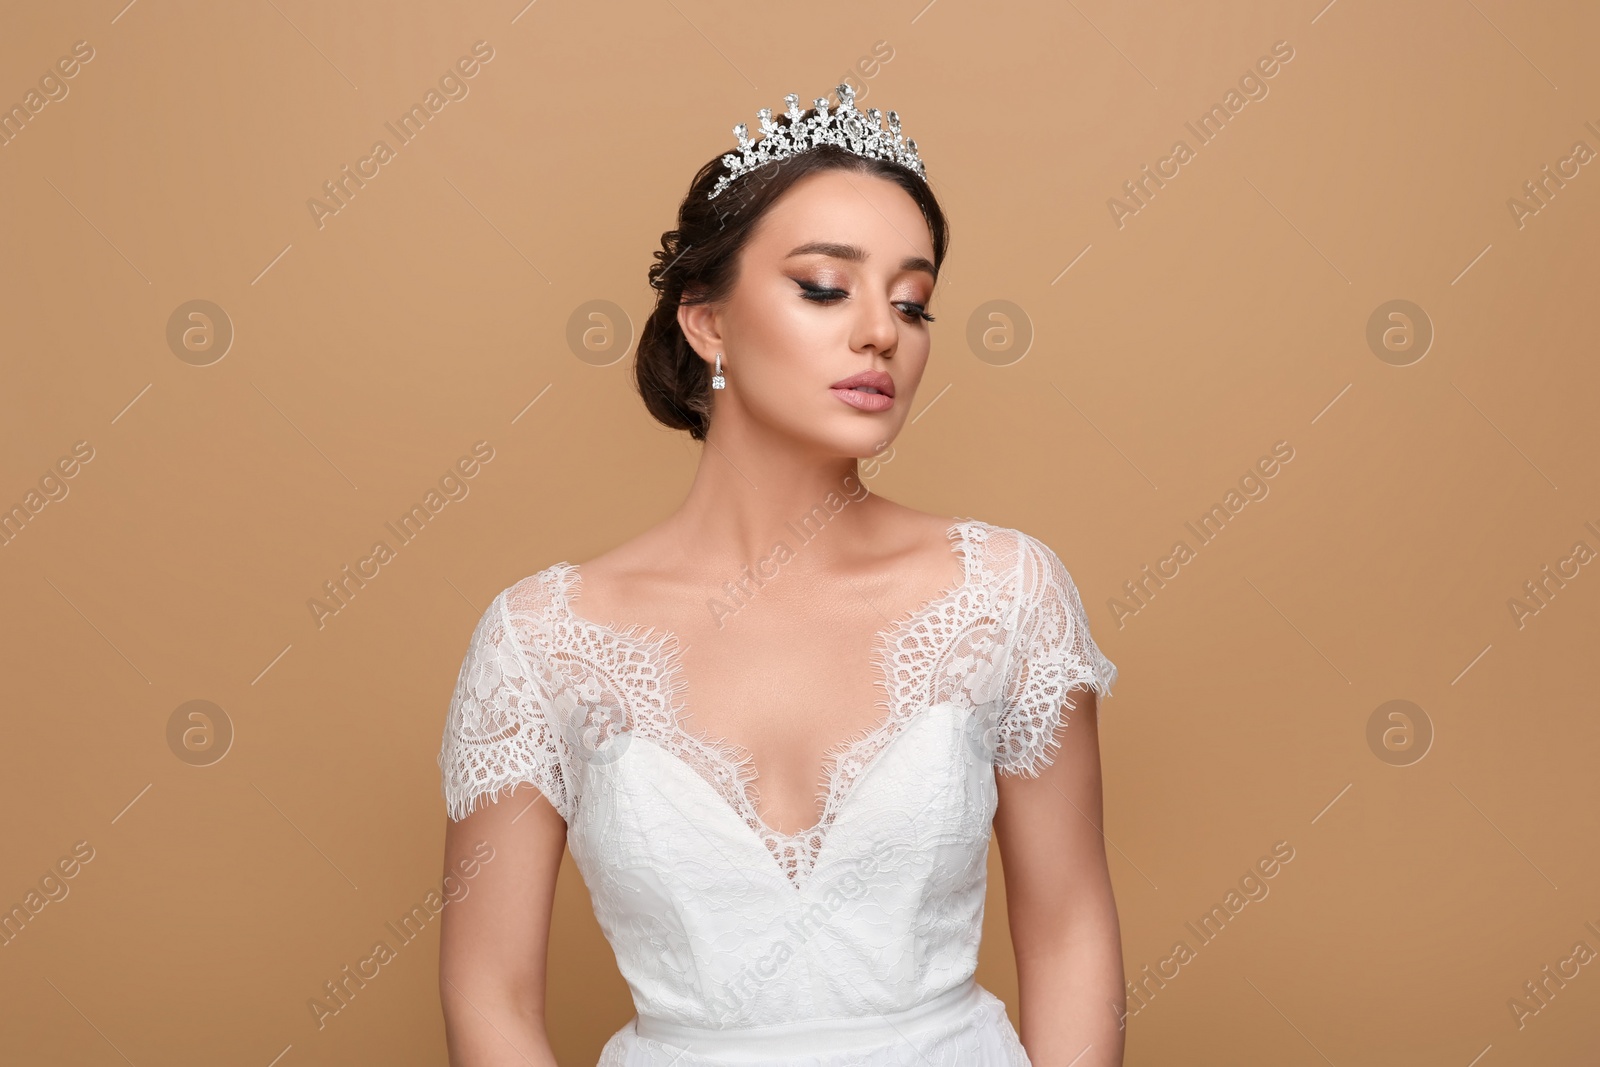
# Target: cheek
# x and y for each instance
(791, 339)
(914, 362)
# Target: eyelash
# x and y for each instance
(827, 296)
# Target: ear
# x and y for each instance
(702, 327)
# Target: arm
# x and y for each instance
(1062, 914)
(492, 942)
(507, 786)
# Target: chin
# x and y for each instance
(866, 441)
(879, 444)
(835, 430)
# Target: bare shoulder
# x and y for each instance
(646, 568)
(903, 549)
(906, 530)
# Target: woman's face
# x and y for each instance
(833, 282)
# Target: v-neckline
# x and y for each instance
(667, 683)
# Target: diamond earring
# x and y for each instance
(717, 380)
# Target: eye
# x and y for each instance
(822, 295)
(819, 294)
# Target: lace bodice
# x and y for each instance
(717, 919)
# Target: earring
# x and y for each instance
(717, 380)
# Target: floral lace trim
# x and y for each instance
(498, 733)
(916, 654)
(544, 690)
(1053, 653)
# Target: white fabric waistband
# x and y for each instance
(763, 1043)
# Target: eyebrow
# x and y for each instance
(855, 254)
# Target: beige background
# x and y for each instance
(1167, 356)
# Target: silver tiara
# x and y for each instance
(846, 127)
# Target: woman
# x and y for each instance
(776, 729)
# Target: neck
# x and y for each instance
(748, 496)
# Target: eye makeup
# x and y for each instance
(827, 295)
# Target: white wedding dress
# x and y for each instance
(851, 943)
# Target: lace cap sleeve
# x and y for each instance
(1052, 652)
(499, 731)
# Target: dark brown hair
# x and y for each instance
(697, 264)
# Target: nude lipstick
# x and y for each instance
(871, 390)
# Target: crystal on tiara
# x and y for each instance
(846, 127)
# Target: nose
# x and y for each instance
(875, 328)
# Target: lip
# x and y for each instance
(882, 400)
